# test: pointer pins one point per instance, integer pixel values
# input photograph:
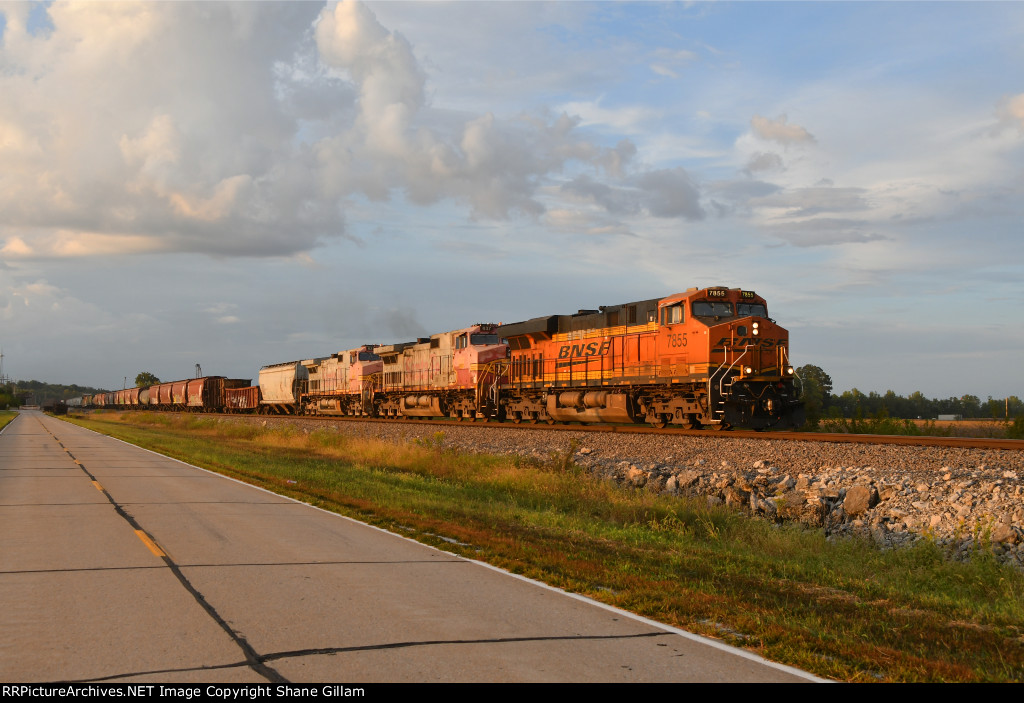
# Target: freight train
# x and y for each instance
(709, 357)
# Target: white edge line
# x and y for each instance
(701, 639)
(17, 414)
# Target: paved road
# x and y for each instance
(117, 564)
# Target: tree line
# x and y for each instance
(40, 393)
(820, 402)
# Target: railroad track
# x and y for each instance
(835, 437)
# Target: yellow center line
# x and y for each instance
(150, 544)
(97, 485)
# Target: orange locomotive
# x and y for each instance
(709, 356)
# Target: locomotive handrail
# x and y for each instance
(785, 356)
(734, 362)
(495, 369)
(725, 373)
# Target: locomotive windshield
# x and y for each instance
(751, 310)
(706, 308)
(484, 339)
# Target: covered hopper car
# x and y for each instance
(206, 394)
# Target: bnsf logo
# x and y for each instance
(571, 351)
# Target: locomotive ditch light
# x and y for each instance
(789, 371)
(748, 370)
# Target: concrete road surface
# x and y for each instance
(118, 564)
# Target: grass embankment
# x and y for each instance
(883, 424)
(844, 610)
(6, 416)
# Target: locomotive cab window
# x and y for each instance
(707, 308)
(751, 310)
(484, 339)
(460, 342)
(672, 315)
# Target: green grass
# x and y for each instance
(6, 416)
(882, 424)
(842, 609)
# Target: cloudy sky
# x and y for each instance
(237, 184)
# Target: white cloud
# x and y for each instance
(630, 120)
(125, 135)
(69, 244)
(825, 231)
(1011, 111)
(398, 142)
(41, 311)
(671, 193)
(223, 161)
(669, 62)
(664, 71)
(764, 161)
(667, 193)
(804, 202)
(779, 130)
(588, 223)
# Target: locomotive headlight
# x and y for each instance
(748, 370)
(756, 331)
(789, 371)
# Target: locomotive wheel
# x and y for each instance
(657, 421)
(550, 420)
(517, 418)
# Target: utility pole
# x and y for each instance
(3, 379)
